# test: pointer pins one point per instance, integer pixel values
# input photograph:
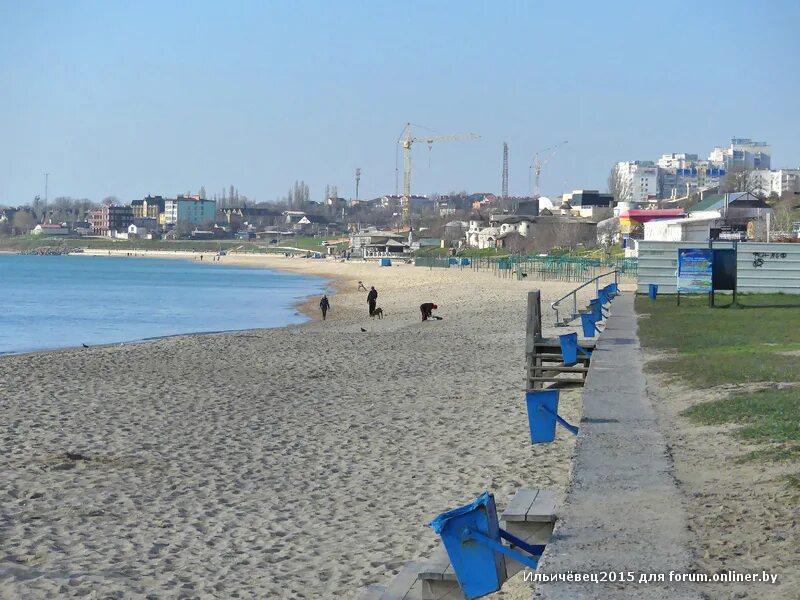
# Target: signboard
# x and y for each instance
(695, 270)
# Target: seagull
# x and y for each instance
(364, 330)
(84, 345)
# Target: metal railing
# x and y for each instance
(574, 295)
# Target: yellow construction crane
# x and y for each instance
(406, 141)
(539, 163)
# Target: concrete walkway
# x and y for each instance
(623, 510)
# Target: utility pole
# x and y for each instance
(505, 171)
(46, 178)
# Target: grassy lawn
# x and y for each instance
(750, 342)
(758, 340)
(768, 416)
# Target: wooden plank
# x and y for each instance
(436, 565)
(543, 508)
(403, 584)
(520, 504)
(374, 591)
(562, 368)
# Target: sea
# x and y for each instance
(49, 302)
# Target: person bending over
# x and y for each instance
(427, 311)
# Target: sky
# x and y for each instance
(125, 99)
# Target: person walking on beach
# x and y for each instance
(372, 299)
(426, 310)
(324, 305)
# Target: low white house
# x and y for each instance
(141, 232)
(481, 236)
(696, 228)
(50, 229)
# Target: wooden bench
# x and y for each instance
(530, 516)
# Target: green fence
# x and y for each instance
(432, 262)
(552, 268)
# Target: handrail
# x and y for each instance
(573, 293)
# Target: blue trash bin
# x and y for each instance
(465, 262)
(611, 290)
(386, 262)
(478, 569)
(652, 291)
(542, 411)
(589, 323)
(597, 309)
(570, 348)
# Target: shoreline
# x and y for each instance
(306, 305)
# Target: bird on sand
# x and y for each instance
(84, 345)
(362, 329)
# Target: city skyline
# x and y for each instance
(126, 101)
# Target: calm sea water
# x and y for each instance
(59, 301)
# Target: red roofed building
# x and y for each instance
(631, 222)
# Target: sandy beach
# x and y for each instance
(300, 462)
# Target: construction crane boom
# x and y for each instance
(406, 141)
(539, 163)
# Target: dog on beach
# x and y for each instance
(378, 312)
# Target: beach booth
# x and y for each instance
(570, 348)
(589, 324)
(543, 416)
(386, 262)
(473, 539)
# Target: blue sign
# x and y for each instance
(695, 268)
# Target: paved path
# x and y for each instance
(623, 510)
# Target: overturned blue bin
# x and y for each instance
(479, 569)
(543, 416)
(597, 309)
(570, 348)
(386, 262)
(472, 537)
(465, 262)
(589, 323)
(652, 291)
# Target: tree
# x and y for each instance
(619, 185)
(742, 179)
(202, 192)
(23, 222)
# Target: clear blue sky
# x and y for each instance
(130, 98)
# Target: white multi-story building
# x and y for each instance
(743, 153)
(776, 182)
(639, 179)
(677, 161)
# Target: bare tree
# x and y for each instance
(742, 179)
(619, 186)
